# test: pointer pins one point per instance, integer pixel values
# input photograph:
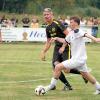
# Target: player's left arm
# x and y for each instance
(92, 37)
(61, 50)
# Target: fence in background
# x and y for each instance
(29, 34)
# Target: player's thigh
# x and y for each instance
(83, 68)
(59, 67)
(72, 63)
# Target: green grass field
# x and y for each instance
(21, 70)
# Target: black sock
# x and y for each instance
(64, 80)
(75, 71)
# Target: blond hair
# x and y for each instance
(47, 10)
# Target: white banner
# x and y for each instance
(23, 34)
(29, 34)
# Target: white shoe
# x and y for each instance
(47, 88)
(97, 92)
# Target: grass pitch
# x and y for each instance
(21, 70)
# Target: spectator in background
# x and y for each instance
(26, 21)
(35, 22)
(3, 18)
(14, 21)
(4, 23)
(82, 21)
(67, 20)
(7, 23)
(99, 21)
(62, 20)
(95, 27)
(89, 22)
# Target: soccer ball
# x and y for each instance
(40, 90)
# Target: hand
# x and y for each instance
(43, 56)
(97, 39)
(61, 50)
(53, 40)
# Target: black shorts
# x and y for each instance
(60, 57)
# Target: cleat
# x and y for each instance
(47, 88)
(85, 80)
(67, 88)
(97, 92)
(54, 88)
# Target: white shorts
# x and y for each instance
(77, 64)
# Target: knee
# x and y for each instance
(58, 67)
(66, 70)
(54, 63)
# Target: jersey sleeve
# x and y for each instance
(60, 25)
(82, 33)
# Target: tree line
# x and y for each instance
(86, 7)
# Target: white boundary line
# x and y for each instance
(28, 81)
(23, 61)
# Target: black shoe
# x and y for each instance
(54, 88)
(85, 80)
(67, 88)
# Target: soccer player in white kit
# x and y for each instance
(75, 39)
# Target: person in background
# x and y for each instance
(62, 20)
(35, 22)
(95, 27)
(14, 21)
(26, 21)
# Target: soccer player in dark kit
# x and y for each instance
(56, 29)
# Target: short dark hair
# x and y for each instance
(76, 19)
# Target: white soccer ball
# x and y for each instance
(40, 90)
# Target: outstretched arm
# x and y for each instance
(61, 40)
(45, 49)
(92, 37)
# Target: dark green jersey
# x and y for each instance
(55, 29)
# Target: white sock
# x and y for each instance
(52, 84)
(97, 85)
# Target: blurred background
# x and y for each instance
(65, 8)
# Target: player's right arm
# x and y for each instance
(45, 49)
(61, 40)
(61, 50)
(92, 37)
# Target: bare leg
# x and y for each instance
(59, 67)
(89, 77)
(92, 80)
(57, 72)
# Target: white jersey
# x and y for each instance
(77, 43)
